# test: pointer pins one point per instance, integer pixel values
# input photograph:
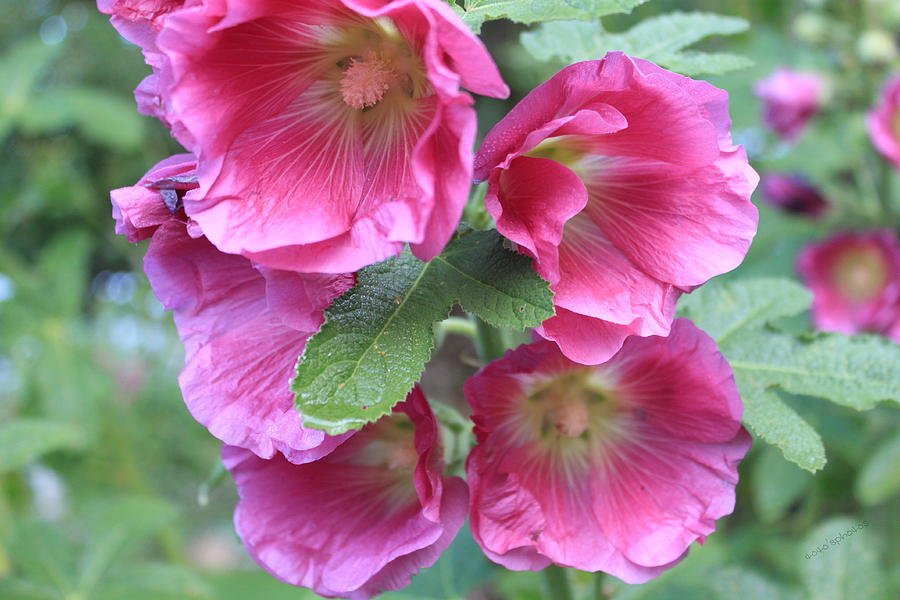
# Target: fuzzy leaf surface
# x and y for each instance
(378, 336)
(661, 39)
(858, 372)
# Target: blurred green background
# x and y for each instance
(103, 473)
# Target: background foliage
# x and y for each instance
(108, 487)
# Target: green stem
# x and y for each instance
(459, 326)
(489, 341)
(599, 578)
(556, 583)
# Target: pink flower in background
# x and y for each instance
(138, 21)
(617, 467)
(855, 280)
(621, 180)
(884, 123)
(790, 100)
(361, 520)
(329, 133)
(794, 194)
(243, 327)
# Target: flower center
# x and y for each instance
(367, 80)
(568, 405)
(861, 273)
(402, 455)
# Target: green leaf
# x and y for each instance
(852, 371)
(104, 118)
(661, 39)
(23, 440)
(732, 582)
(880, 477)
(476, 12)
(460, 569)
(777, 484)
(20, 69)
(378, 336)
(845, 567)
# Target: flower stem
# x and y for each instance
(556, 583)
(599, 578)
(489, 341)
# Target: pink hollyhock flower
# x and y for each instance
(223, 307)
(884, 122)
(361, 520)
(329, 133)
(790, 99)
(855, 280)
(138, 21)
(140, 209)
(621, 180)
(617, 467)
(794, 194)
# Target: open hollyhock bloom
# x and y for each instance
(621, 180)
(242, 327)
(617, 467)
(855, 280)
(794, 194)
(790, 100)
(359, 521)
(884, 123)
(328, 133)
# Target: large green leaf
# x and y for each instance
(852, 371)
(378, 336)
(661, 39)
(476, 12)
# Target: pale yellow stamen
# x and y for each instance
(366, 81)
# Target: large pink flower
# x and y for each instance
(138, 21)
(884, 122)
(620, 178)
(617, 467)
(361, 520)
(329, 132)
(855, 280)
(790, 99)
(242, 327)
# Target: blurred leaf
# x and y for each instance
(156, 581)
(44, 555)
(776, 484)
(244, 585)
(846, 568)
(660, 39)
(378, 336)
(23, 440)
(63, 265)
(20, 589)
(138, 517)
(461, 568)
(732, 582)
(880, 476)
(102, 117)
(20, 68)
(476, 12)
